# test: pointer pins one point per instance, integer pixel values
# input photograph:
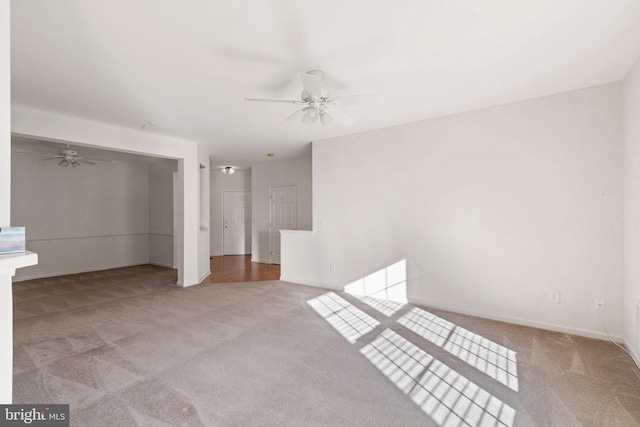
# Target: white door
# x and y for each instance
(236, 218)
(283, 203)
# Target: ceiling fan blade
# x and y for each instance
(340, 117)
(93, 159)
(312, 85)
(286, 101)
(280, 83)
(35, 154)
(294, 115)
(85, 161)
(52, 158)
(358, 99)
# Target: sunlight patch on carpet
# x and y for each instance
(447, 397)
(495, 360)
(351, 322)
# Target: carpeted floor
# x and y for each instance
(126, 347)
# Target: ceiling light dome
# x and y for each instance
(310, 116)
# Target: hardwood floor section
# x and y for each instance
(239, 268)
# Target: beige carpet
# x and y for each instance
(126, 347)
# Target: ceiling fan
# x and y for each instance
(318, 105)
(67, 157)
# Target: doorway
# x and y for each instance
(283, 211)
(236, 219)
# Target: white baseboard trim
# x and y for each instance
(305, 283)
(75, 271)
(634, 355)
(524, 322)
(297, 282)
(507, 319)
(207, 274)
(160, 264)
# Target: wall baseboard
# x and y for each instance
(524, 322)
(207, 274)
(513, 320)
(161, 264)
(302, 282)
(75, 271)
(634, 355)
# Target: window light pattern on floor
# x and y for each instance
(348, 320)
(386, 307)
(427, 325)
(385, 290)
(446, 396)
(485, 355)
(398, 359)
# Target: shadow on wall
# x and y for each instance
(445, 395)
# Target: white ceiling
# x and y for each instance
(186, 65)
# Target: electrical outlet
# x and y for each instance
(554, 297)
(599, 304)
(332, 268)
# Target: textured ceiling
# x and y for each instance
(186, 66)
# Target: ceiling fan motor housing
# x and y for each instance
(318, 104)
(306, 96)
(68, 153)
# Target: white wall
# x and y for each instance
(161, 212)
(109, 215)
(76, 131)
(6, 297)
(492, 209)
(5, 115)
(264, 175)
(632, 208)
(84, 219)
(239, 181)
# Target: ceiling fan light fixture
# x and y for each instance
(64, 163)
(325, 118)
(228, 170)
(310, 116)
(316, 102)
(75, 164)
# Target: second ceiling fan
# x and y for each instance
(66, 157)
(318, 105)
